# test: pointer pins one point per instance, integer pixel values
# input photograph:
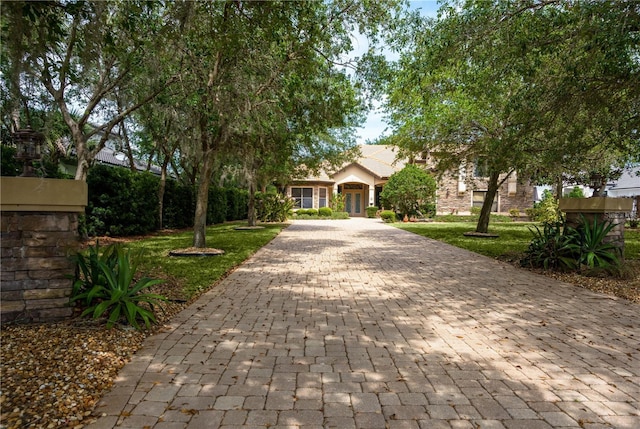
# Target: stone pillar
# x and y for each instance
(602, 208)
(38, 229)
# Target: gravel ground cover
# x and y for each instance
(52, 375)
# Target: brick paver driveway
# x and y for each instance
(356, 324)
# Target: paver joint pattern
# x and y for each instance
(356, 324)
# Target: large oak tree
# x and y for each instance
(537, 87)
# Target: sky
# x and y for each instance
(374, 125)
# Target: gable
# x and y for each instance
(377, 160)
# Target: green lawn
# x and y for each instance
(197, 273)
(513, 237)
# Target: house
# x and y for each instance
(627, 185)
(107, 156)
(360, 183)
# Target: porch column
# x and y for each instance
(372, 194)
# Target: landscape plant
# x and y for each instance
(576, 192)
(338, 202)
(546, 210)
(388, 216)
(371, 211)
(106, 285)
(595, 251)
(555, 246)
(514, 214)
(273, 207)
(409, 190)
(325, 212)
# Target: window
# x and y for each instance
(481, 167)
(322, 200)
(478, 200)
(303, 197)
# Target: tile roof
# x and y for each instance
(379, 160)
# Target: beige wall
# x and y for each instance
(316, 191)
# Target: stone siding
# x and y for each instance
(35, 264)
(615, 236)
(452, 200)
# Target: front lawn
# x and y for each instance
(197, 273)
(514, 237)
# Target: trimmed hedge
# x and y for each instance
(325, 211)
(371, 211)
(122, 202)
(388, 216)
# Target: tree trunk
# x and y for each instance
(559, 186)
(485, 213)
(202, 201)
(252, 204)
(83, 159)
(161, 188)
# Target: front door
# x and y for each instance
(353, 203)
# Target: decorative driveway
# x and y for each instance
(356, 324)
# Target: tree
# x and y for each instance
(409, 191)
(241, 63)
(524, 86)
(85, 55)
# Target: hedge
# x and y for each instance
(122, 202)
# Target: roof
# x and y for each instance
(628, 184)
(379, 160)
(113, 157)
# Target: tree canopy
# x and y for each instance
(250, 84)
(537, 87)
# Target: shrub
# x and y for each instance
(371, 211)
(312, 212)
(179, 205)
(427, 210)
(475, 211)
(337, 202)
(388, 216)
(217, 206)
(301, 212)
(409, 189)
(594, 251)
(9, 165)
(340, 215)
(121, 202)
(576, 192)
(514, 213)
(273, 207)
(237, 204)
(559, 246)
(325, 211)
(104, 284)
(553, 247)
(545, 211)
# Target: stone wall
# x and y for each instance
(614, 210)
(453, 198)
(35, 265)
(38, 230)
